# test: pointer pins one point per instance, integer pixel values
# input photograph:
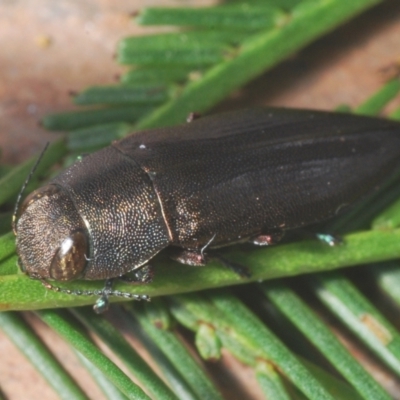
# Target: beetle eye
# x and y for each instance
(70, 259)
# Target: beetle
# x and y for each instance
(248, 175)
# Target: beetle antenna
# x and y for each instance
(25, 184)
(102, 302)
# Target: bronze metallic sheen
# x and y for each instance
(219, 180)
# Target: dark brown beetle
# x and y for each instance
(219, 180)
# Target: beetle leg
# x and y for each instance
(199, 259)
(195, 258)
(102, 302)
(267, 240)
(143, 274)
(326, 238)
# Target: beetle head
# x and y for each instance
(51, 237)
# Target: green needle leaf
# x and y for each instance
(61, 323)
(359, 315)
(271, 383)
(238, 16)
(7, 246)
(69, 121)
(178, 355)
(313, 328)
(117, 343)
(21, 334)
(19, 292)
(375, 104)
(115, 95)
(255, 56)
(256, 332)
(109, 390)
(388, 278)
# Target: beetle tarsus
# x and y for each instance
(102, 304)
(329, 239)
